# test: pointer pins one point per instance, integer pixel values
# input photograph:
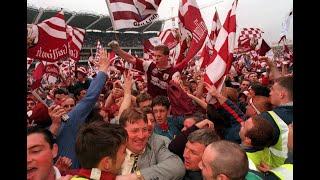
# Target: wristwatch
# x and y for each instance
(139, 176)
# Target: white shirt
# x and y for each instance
(127, 163)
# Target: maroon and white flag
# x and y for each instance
(148, 46)
(67, 67)
(208, 49)
(251, 33)
(29, 62)
(221, 63)
(75, 37)
(132, 13)
(52, 36)
(168, 38)
(192, 25)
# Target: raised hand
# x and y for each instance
(104, 61)
(114, 45)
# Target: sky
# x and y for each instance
(267, 15)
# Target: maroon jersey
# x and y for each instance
(157, 79)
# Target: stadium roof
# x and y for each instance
(84, 20)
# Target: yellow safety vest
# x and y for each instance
(279, 152)
(284, 172)
(258, 157)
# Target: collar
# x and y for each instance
(250, 149)
(287, 104)
(57, 174)
(96, 174)
(131, 154)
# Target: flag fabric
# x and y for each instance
(264, 48)
(132, 13)
(288, 55)
(244, 44)
(251, 33)
(66, 68)
(168, 38)
(52, 68)
(98, 48)
(221, 63)
(191, 25)
(52, 44)
(75, 37)
(148, 46)
(285, 26)
(37, 74)
(208, 49)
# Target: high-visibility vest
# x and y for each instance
(279, 151)
(284, 172)
(257, 157)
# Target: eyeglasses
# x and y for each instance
(253, 106)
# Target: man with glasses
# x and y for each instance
(257, 105)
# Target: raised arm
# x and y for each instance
(114, 45)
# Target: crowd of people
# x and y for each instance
(164, 123)
(126, 39)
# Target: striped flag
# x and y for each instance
(208, 49)
(148, 46)
(132, 13)
(168, 38)
(221, 63)
(52, 44)
(191, 25)
(75, 37)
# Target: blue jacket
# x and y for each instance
(66, 137)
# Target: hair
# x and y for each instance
(262, 133)
(231, 93)
(77, 92)
(94, 115)
(287, 83)
(163, 48)
(97, 140)
(143, 97)
(230, 160)
(132, 115)
(262, 103)
(161, 101)
(60, 91)
(260, 90)
(147, 110)
(45, 132)
(204, 136)
(197, 116)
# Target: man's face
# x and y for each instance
(30, 105)
(39, 157)
(187, 123)
(244, 85)
(151, 122)
(68, 104)
(161, 60)
(206, 170)
(192, 155)
(245, 127)
(145, 104)
(253, 77)
(160, 113)
(121, 154)
(275, 94)
(82, 94)
(137, 136)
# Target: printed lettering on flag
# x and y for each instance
(132, 13)
(52, 36)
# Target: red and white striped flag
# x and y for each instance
(132, 13)
(52, 44)
(37, 74)
(168, 38)
(67, 68)
(75, 38)
(221, 63)
(208, 49)
(148, 46)
(191, 24)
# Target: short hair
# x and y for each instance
(204, 136)
(262, 133)
(260, 90)
(60, 91)
(287, 83)
(161, 101)
(262, 103)
(45, 132)
(97, 140)
(147, 110)
(131, 115)
(77, 92)
(163, 48)
(197, 116)
(231, 160)
(143, 97)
